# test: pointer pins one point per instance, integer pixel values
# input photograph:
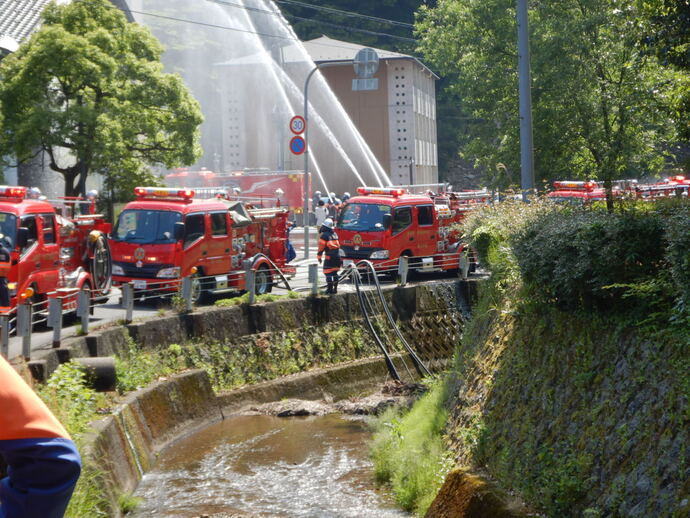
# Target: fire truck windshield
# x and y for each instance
(8, 227)
(363, 217)
(146, 226)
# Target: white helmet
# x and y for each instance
(328, 223)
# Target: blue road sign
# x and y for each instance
(297, 145)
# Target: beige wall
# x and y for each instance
(398, 120)
(368, 110)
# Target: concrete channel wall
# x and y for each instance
(124, 445)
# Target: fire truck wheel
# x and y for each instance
(263, 281)
(198, 292)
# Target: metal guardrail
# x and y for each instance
(184, 294)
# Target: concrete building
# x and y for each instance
(398, 120)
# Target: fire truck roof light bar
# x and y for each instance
(385, 191)
(575, 185)
(7, 191)
(160, 192)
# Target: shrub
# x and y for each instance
(678, 254)
(585, 257)
(68, 397)
(489, 231)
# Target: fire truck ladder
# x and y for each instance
(381, 323)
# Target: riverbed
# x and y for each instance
(268, 466)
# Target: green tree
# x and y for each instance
(91, 83)
(668, 35)
(599, 98)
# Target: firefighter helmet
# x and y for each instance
(328, 223)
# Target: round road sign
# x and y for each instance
(297, 145)
(297, 124)
(366, 63)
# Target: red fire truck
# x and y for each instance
(577, 191)
(55, 251)
(182, 177)
(384, 224)
(671, 187)
(167, 234)
(260, 187)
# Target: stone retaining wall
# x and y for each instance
(125, 444)
(224, 324)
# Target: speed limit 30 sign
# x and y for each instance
(297, 125)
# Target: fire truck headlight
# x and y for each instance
(169, 273)
(118, 270)
(380, 254)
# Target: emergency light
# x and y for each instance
(386, 191)
(12, 192)
(575, 185)
(678, 179)
(159, 192)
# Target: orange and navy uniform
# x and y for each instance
(330, 246)
(43, 463)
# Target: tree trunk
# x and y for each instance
(608, 186)
(75, 179)
(70, 175)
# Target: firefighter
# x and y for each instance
(5, 249)
(43, 462)
(329, 245)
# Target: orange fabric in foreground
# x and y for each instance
(23, 415)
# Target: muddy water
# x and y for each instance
(268, 466)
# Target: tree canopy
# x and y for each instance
(600, 98)
(91, 83)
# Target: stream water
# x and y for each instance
(268, 466)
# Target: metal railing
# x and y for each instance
(185, 293)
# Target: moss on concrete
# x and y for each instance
(584, 416)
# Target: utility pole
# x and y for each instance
(526, 145)
(307, 193)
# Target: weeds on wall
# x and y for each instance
(76, 405)
(408, 449)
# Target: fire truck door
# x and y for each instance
(30, 255)
(220, 245)
(195, 242)
(427, 230)
(404, 232)
(49, 252)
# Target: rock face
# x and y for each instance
(581, 418)
(465, 495)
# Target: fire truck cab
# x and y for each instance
(384, 224)
(167, 234)
(53, 252)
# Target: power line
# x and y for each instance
(225, 27)
(246, 31)
(310, 20)
(344, 13)
(365, 31)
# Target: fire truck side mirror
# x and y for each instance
(179, 231)
(22, 237)
(387, 221)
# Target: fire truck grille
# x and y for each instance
(147, 271)
(362, 253)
